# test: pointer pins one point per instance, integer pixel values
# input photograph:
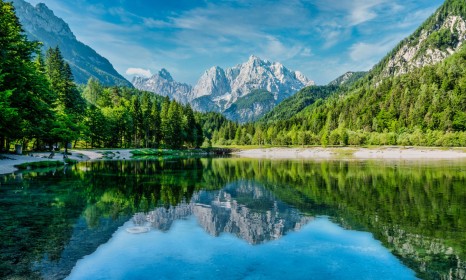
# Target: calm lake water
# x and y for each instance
(229, 218)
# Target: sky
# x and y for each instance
(321, 38)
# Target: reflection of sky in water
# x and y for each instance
(320, 250)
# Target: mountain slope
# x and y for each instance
(162, 83)
(251, 107)
(347, 79)
(437, 38)
(296, 103)
(218, 90)
(41, 24)
(424, 106)
(224, 87)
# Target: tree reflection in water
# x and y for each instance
(415, 209)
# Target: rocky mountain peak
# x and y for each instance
(41, 24)
(164, 74)
(218, 89)
(162, 83)
(254, 58)
(303, 79)
(41, 17)
(439, 37)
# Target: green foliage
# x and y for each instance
(424, 107)
(39, 164)
(256, 96)
(296, 103)
(40, 103)
(251, 107)
(24, 90)
(346, 81)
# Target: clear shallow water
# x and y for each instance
(236, 219)
(320, 250)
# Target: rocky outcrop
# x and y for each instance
(218, 89)
(225, 87)
(162, 83)
(429, 45)
(347, 79)
(41, 24)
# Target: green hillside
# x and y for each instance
(294, 104)
(401, 101)
(250, 107)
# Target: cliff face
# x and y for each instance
(162, 83)
(41, 24)
(220, 90)
(437, 38)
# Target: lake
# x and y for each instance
(232, 218)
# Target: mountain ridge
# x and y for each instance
(440, 36)
(218, 89)
(41, 24)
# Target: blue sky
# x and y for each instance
(321, 38)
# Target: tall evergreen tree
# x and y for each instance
(174, 138)
(137, 116)
(21, 87)
(155, 124)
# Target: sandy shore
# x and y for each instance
(393, 153)
(8, 161)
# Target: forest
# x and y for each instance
(426, 107)
(40, 104)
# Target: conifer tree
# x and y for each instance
(21, 87)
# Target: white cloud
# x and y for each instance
(139, 72)
(364, 10)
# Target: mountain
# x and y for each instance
(218, 90)
(41, 24)
(296, 103)
(224, 87)
(251, 107)
(404, 100)
(347, 79)
(162, 83)
(439, 37)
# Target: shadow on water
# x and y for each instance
(52, 219)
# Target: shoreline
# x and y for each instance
(356, 153)
(7, 164)
(8, 161)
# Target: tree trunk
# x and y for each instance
(65, 154)
(7, 145)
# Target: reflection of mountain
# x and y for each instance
(416, 210)
(243, 208)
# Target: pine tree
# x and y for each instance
(146, 108)
(136, 113)
(155, 124)
(165, 128)
(174, 138)
(21, 87)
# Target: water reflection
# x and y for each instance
(51, 219)
(320, 250)
(243, 208)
